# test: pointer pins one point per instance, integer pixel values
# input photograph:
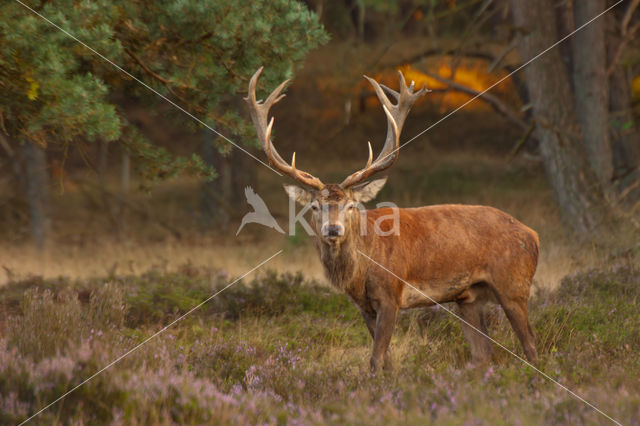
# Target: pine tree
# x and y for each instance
(53, 90)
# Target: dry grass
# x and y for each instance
(21, 262)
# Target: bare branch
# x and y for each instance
(521, 141)
(5, 145)
(167, 83)
(512, 45)
(627, 16)
(148, 70)
(492, 100)
(628, 35)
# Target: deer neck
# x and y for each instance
(340, 262)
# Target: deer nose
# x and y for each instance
(332, 230)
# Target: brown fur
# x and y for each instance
(470, 255)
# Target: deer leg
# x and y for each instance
(385, 324)
(370, 321)
(473, 327)
(516, 311)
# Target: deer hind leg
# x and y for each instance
(516, 311)
(474, 327)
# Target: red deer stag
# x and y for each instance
(470, 255)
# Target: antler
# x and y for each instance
(396, 114)
(259, 114)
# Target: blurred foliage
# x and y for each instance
(387, 17)
(200, 54)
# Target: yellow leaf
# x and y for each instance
(32, 93)
(635, 87)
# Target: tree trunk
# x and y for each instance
(223, 198)
(625, 135)
(37, 192)
(573, 183)
(125, 173)
(103, 160)
(214, 195)
(114, 210)
(592, 89)
(565, 24)
(5, 143)
(361, 11)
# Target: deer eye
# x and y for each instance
(314, 207)
(351, 206)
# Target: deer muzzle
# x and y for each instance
(332, 230)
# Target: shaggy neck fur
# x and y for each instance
(340, 261)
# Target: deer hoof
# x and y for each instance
(375, 365)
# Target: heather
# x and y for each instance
(284, 349)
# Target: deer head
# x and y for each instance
(335, 206)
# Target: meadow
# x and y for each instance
(283, 349)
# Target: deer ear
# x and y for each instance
(300, 195)
(367, 191)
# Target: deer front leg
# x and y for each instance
(385, 324)
(370, 320)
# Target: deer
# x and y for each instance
(465, 254)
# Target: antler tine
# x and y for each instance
(379, 92)
(391, 92)
(259, 115)
(396, 115)
(389, 152)
(370, 160)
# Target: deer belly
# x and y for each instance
(417, 295)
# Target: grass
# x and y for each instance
(283, 349)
